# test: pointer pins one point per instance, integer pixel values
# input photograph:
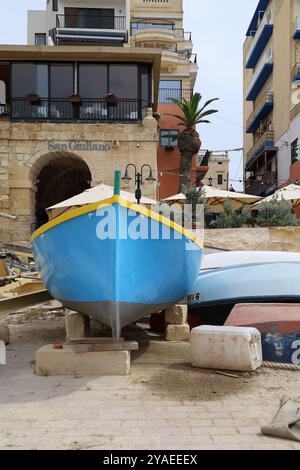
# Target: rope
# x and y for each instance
(278, 365)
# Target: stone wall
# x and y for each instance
(265, 239)
(26, 148)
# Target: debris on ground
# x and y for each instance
(286, 423)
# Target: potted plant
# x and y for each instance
(111, 100)
(33, 98)
(74, 98)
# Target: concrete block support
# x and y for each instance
(69, 362)
(176, 315)
(77, 325)
(178, 332)
(4, 334)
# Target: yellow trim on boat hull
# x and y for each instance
(109, 202)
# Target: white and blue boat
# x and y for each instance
(229, 278)
(116, 261)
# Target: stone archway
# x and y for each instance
(57, 176)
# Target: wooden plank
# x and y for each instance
(21, 301)
(105, 346)
(93, 340)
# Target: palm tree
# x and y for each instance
(189, 140)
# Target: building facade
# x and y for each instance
(217, 171)
(271, 96)
(77, 102)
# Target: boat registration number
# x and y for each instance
(193, 298)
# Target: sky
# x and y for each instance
(218, 29)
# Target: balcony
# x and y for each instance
(261, 75)
(297, 28)
(84, 29)
(262, 184)
(264, 144)
(260, 10)
(295, 75)
(159, 30)
(260, 113)
(166, 95)
(260, 40)
(62, 110)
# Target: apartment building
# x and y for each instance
(77, 102)
(271, 96)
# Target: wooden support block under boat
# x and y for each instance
(101, 344)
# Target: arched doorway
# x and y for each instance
(62, 177)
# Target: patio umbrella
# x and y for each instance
(288, 193)
(89, 196)
(216, 197)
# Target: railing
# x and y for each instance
(88, 110)
(297, 23)
(295, 72)
(266, 181)
(166, 95)
(187, 55)
(267, 58)
(267, 20)
(265, 137)
(179, 33)
(266, 98)
(295, 111)
(164, 46)
(91, 22)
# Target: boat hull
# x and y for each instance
(216, 291)
(116, 277)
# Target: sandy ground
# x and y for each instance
(164, 403)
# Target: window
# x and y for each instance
(55, 5)
(294, 151)
(92, 81)
(220, 180)
(40, 39)
(169, 138)
(29, 77)
(61, 80)
(123, 81)
(90, 18)
(169, 89)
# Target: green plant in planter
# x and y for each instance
(276, 213)
(230, 218)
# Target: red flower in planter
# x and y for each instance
(111, 99)
(74, 98)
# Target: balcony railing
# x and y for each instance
(262, 184)
(295, 74)
(297, 28)
(166, 95)
(91, 22)
(267, 138)
(266, 102)
(164, 46)
(86, 110)
(260, 39)
(179, 33)
(260, 76)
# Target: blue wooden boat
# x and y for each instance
(116, 261)
(230, 278)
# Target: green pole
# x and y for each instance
(117, 185)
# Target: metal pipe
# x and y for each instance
(8, 216)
